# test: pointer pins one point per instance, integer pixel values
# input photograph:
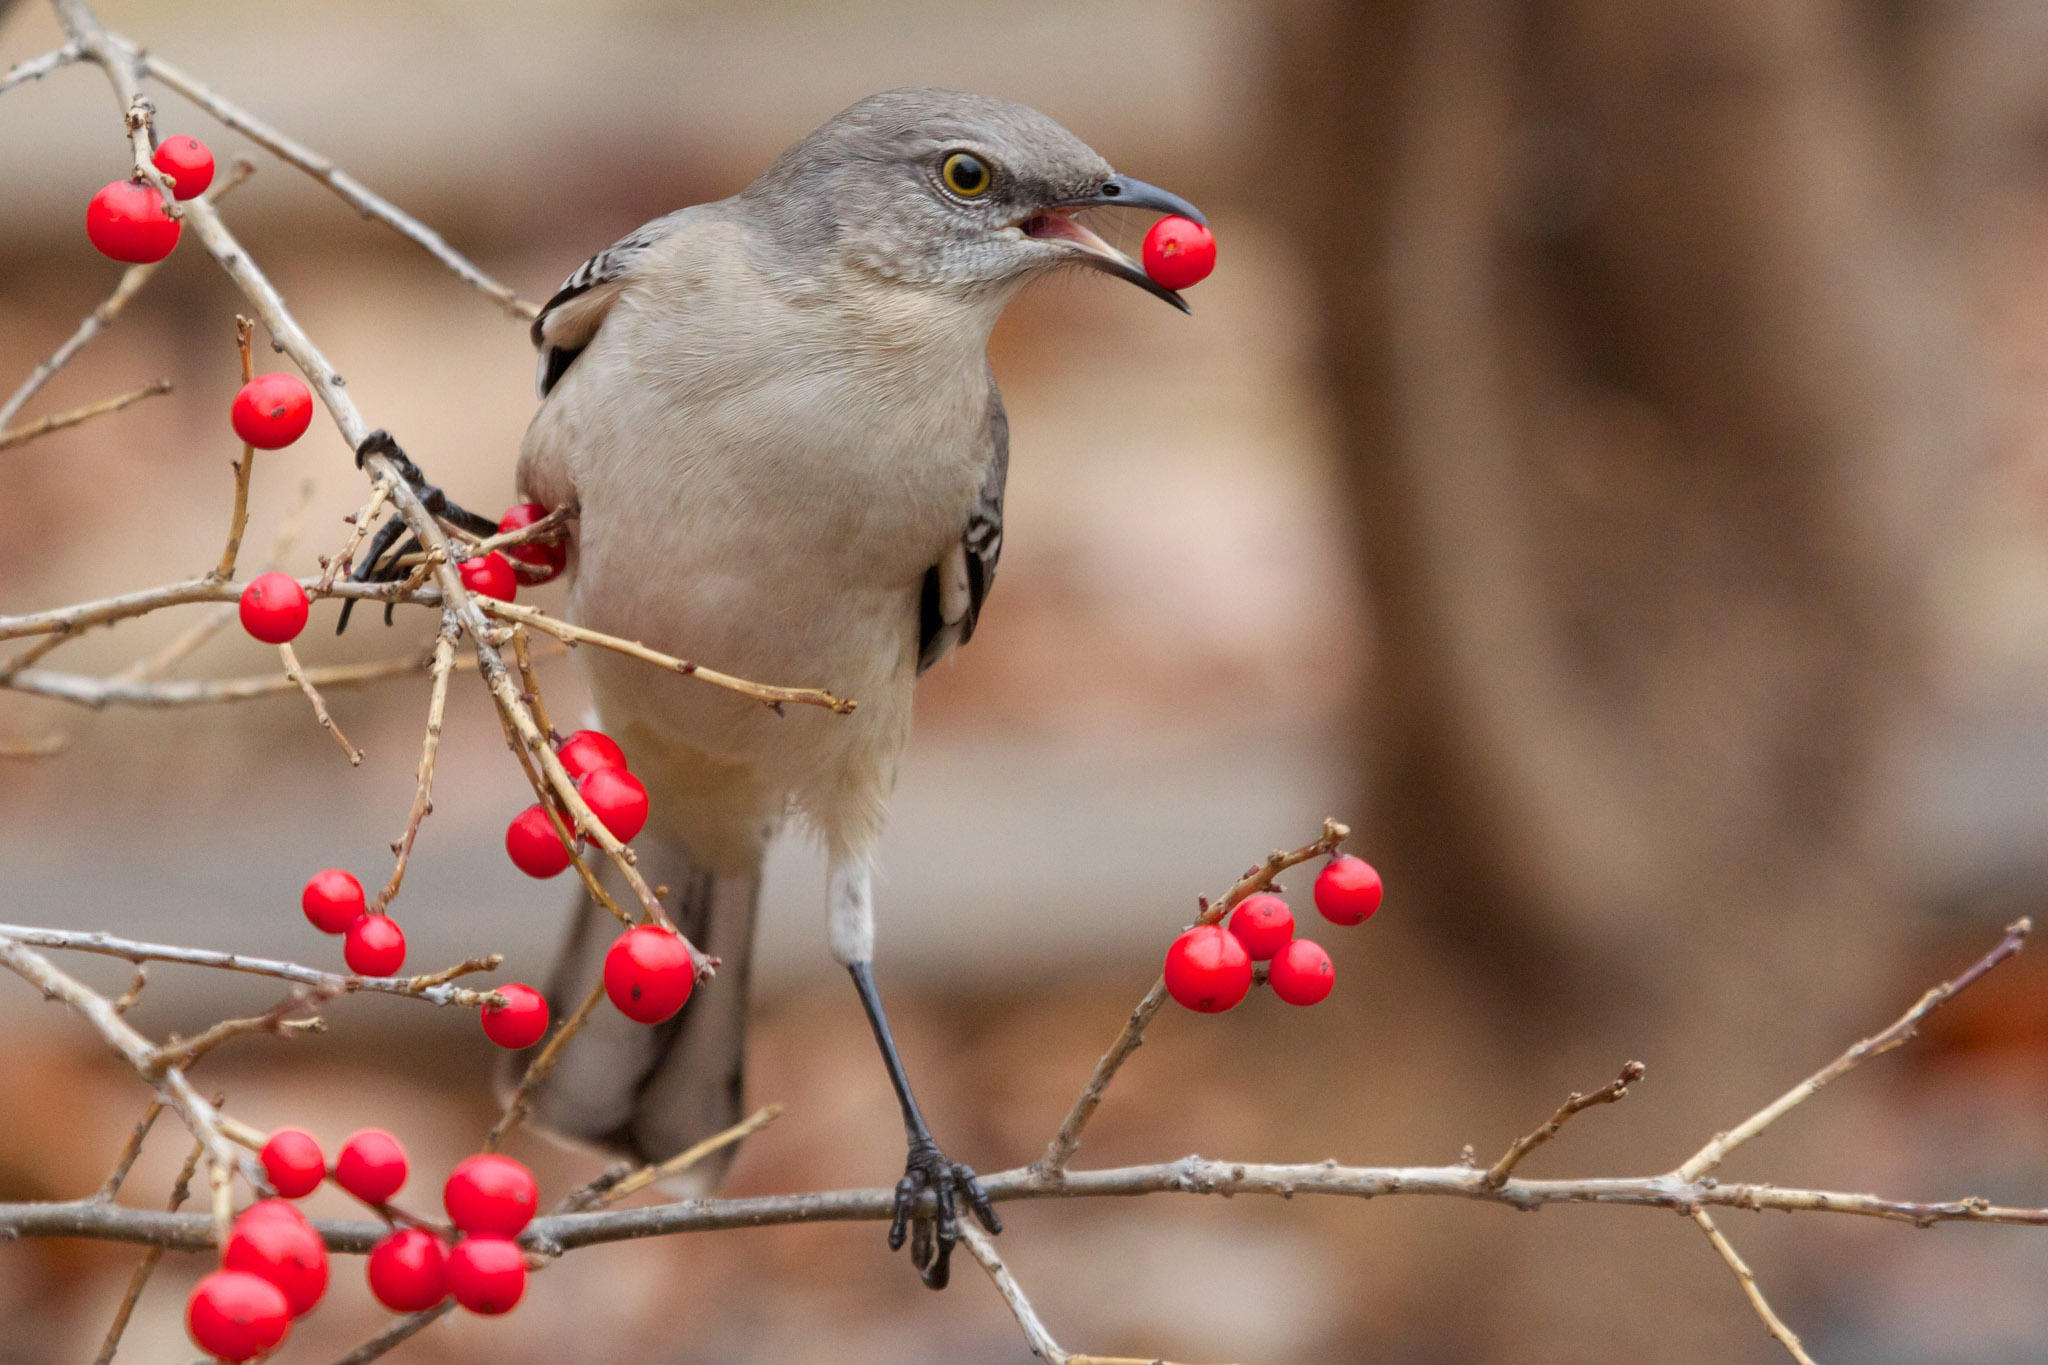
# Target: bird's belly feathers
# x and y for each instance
(787, 549)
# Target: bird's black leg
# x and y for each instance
(927, 1169)
(378, 565)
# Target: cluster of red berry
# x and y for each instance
(274, 1266)
(126, 220)
(616, 797)
(1209, 968)
(374, 945)
(647, 973)
(1179, 252)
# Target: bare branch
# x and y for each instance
(397, 1334)
(685, 1159)
(423, 792)
(1901, 1030)
(432, 987)
(356, 194)
(180, 1190)
(1574, 1103)
(537, 1070)
(132, 280)
(43, 426)
(98, 693)
(35, 68)
(130, 1150)
(1747, 1279)
(298, 677)
(1068, 1140)
(764, 693)
(238, 520)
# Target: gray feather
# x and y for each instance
(956, 587)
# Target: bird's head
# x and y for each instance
(940, 190)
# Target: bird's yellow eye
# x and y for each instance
(966, 175)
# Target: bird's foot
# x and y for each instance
(933, 1235)
(381, 561)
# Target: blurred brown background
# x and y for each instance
(1610, 467)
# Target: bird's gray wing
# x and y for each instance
(570, 319)
(956, 586)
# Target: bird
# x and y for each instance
(776, 422)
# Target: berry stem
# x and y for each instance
(238, 522)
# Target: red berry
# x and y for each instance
(533, 845)
(371, 1166)
(294, 1162)
(127, 222)
(487, 1274)
(283, 1250)
(490, 576)
(1179, 252)
(1301, 974)
(522, 1021)
(272, 411)
(237, 1316)
(618, 800)
(409, 1270)
(1347, 890)
(374, 946)
(1263, 924)
(550, 559)
(586, 751)
(333, 900)
(1207, 969)
(648, 974)
(274, 608)
(490, 1196)
(187, 161)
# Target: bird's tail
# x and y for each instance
(647, 1093)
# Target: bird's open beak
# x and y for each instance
(1119, 191)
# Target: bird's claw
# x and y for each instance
(933, 1235)
(380, 561)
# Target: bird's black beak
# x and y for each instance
(1119, 191)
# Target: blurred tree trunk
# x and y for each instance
(1639, 356)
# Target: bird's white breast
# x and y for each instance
(766, 469)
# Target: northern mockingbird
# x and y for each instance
(776, 416)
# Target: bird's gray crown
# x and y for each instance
(943, 190)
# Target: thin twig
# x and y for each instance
(35, 68)
(423, 787)
(431, 986)
(765, 693)
(130, 1150)
(1068, 1140)
(132, 280)
(1901, 1030)
(685, 1159)
(98, 693)
(130, 998)
(358, 195)
(1747, 1279)
(1574, 1103)
(180, 1190)
(80, 615)
(189, 641)
(397, 1334)
(359, 528)
(142, 143)
(43, 426)
(1036, 1336)
(245, 466)
(319, 703)
(516, 1105)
